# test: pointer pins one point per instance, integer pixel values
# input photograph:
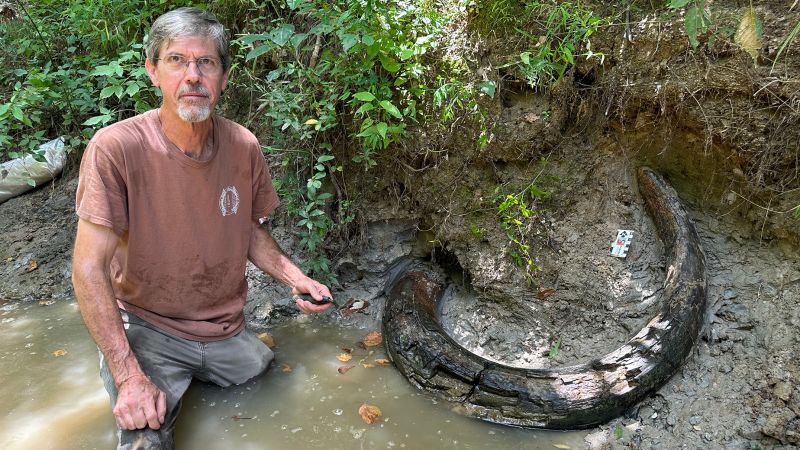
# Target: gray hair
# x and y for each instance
(188, 22)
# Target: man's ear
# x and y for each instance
(151, 71)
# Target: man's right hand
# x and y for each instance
(140, 403)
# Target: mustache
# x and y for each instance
(194, 90)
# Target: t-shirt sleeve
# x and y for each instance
(102, 196)
(265, 198)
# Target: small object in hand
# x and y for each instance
(325, 300)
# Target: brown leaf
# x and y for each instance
(59, 352)
(372, 339)
(530, 117)
(267, 339)
(344, 357)
(343, 369)
(32, 266)
(368, 365)
(383, 362)
(286, 368)
(747, 36)
(370, 413)
(46, 302)
(545, 292)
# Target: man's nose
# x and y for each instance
(192, 72)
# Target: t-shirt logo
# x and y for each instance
(229, 201)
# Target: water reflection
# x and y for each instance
(303, 402)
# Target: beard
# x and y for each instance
(193, 109)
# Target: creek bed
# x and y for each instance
(49, 401)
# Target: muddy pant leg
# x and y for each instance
(169, 362)
(235, 360)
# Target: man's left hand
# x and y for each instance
(316, 290)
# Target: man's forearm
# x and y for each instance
(102, 318)
(267, 255)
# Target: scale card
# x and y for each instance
(622, 243)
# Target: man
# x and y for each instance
(170, 207)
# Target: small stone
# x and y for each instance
(694, 420)
(782, 390)
(671, 420)
(696, 428)
(729, 294)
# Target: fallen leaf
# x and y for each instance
(564, 446)
(368, 365)
(748, 36)
(530, 117)
(32, 266)
(46, 302)
(286, 368)
(372, 339)
(370, 413)
(59, 352)
(267, 339)
(383, 362)
(344, 357)
(545, 292)
(343, 369)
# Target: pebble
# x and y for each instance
(694, 420)
(782, 390)
(671, 420)
(729, 294)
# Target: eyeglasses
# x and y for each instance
(179, 63)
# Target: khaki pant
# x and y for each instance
(171, 362)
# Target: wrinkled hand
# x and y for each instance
(139, 403)
(316, 290)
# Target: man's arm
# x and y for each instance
(267, 255)
(139, 402)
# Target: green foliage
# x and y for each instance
(555, 35)
(75, 66)
(517, 219)
(344, 79)
(696, 21)
(785, 44)
(553, 353)
(619, 432)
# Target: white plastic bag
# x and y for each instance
(19, 171)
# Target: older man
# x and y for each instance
(171, 205)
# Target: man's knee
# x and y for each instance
(146, 439)
(238, 359)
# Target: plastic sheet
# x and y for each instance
(19, 172)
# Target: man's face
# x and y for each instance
(189, 92)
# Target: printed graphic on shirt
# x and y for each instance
(229, 201)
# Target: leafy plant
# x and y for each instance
(554, 349)
(517, 219)
(696, 21)
(563, 34)
(342, 79)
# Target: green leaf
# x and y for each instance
(797, 212)
(97, 119)
(311, 122)
(252, 38)
(258, 51)
(618, 431)
(693, 19)
(348, 41)
(391, 109)
(364, 96)
(282, 34)
(31, 182)
(675, 4)
(4, 109)
(108, 91)
(488, 87)
(382, 128)
(525, 57)
(103, 71)
(390, 64)
(16, 111)
(298, 39)
(20, 72)
(325, 158)
(293, 4)
(366, 107)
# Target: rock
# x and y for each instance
(600, 440)
(782, 390)
(694, 420)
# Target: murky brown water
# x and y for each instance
(58, 402)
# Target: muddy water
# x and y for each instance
(58, 402)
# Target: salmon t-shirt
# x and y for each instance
(184, 225)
